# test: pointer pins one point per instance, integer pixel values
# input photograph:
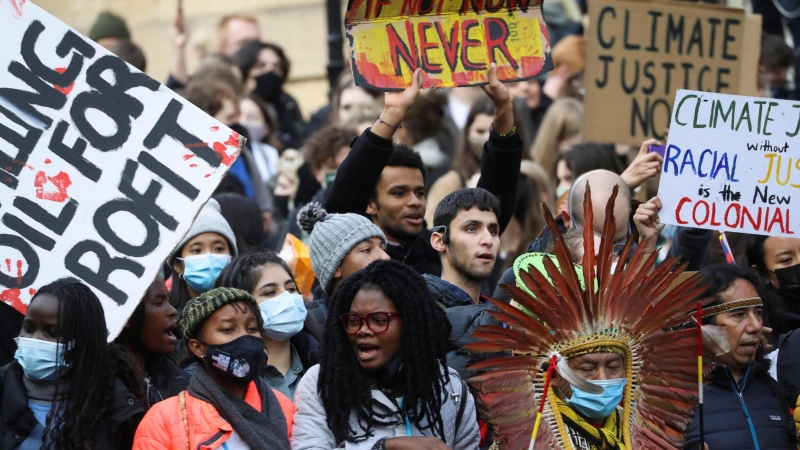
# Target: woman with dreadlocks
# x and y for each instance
(384, 331)
(149, 339)
(68, 389)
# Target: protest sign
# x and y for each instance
(640, 52)
(102, 169)
(728, 164)
(453, 41)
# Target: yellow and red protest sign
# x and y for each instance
(452, 41)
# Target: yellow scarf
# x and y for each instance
(584, 436)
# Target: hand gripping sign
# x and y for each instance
(102, 169)
(732, 163)
(452, 41)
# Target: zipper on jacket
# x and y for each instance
(744, 406)
(211, 440)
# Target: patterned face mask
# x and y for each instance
(239, 360)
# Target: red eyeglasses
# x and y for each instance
(377, 322)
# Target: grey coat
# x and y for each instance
(310, 430)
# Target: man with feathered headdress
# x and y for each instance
(607, 322)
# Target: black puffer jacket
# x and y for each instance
(360, 172)
(464, 318)
(789, 365)
(418, 254)
(732, 416)
(166, 376)
(115, 432)
(10, 324)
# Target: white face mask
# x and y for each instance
(200, 271)
(40, 360)
(256, 132)
(283, 315)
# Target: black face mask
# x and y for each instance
(268, 86)
(239, 360)
(789, 282)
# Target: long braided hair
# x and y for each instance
(85, 392)
(426, 329)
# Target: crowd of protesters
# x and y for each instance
(413, 207)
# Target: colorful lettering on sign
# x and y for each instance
(731, 164)
(453, 42)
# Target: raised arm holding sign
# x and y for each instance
(453, 41)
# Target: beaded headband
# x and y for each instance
(744, 303)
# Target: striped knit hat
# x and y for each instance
(199, 309)
(332, 238)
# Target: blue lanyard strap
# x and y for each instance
(405, 415)
(744, 407)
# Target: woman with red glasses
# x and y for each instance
(382, 381)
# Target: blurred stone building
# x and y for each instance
(299, 26)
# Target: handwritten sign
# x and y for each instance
(639, 53)
(102, 169)
(732, 163)
(453, 41)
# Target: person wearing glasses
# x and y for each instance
(382, 382)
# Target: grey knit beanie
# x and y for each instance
(332, 238)
(209, 220)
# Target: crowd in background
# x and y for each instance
(371, 191)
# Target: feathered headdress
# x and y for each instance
(572, 312)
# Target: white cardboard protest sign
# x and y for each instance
(102, 169)
(732, 163)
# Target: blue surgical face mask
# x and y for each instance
(40, 360)
(201, 271)
(283, 315)
(598, 406)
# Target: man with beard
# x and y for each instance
(386, 182)
(466, 234)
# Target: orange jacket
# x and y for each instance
(163, 428)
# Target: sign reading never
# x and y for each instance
(102, 169)
(452, 41)
(641, 52)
